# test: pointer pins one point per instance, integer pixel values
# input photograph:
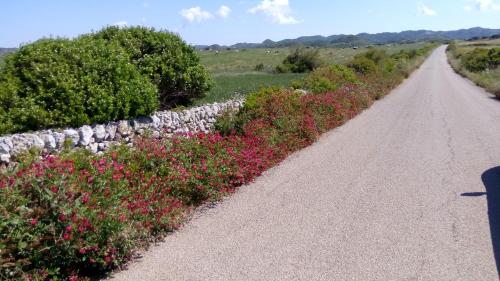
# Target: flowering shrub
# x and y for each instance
(77, 214)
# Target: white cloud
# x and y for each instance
(121, 24)
(425, 10)
(467, 8)
(224, 11)
(195, 14)
(486, 5)
(278, 10)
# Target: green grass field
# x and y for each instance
(489, 79)
(235, 75)
(240, 61)
(245, 61)
(232, 86)
(469, 46)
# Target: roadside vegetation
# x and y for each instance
(479, 61)
(76, 215)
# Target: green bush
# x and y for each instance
(388, 65)
(363, 65)
(408, 54)
(300, 60)
(259, 67)
(116, 73)
(452, 47)
(227, 123)
(494, 57)
(280, 69)
(481, 59)
(172, 65)
(59, 82)
(477, 60)
(376, 60)
(375, 55)
(401, 55)
(325, 79)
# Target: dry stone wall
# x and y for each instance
(100, 137)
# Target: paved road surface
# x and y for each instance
(405, 191)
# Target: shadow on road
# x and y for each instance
(495, 98)
(473, 194)
(491, 181)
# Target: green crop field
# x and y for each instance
(234, 71)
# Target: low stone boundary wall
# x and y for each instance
(102, 136)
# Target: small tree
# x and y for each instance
(302, 60)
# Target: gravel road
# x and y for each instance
(408, 190)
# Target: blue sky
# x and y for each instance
(228, 22)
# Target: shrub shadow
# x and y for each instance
(491, 181)
(495, 98)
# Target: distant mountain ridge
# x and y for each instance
(4, 51)
(361, 39)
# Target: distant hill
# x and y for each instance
(4, 51)
(363, 39)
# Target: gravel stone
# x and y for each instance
(123, 128)
(72, 135)
(86, 134)
(111, 131)
(49, 141)
(99, 132)
(5, 158)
